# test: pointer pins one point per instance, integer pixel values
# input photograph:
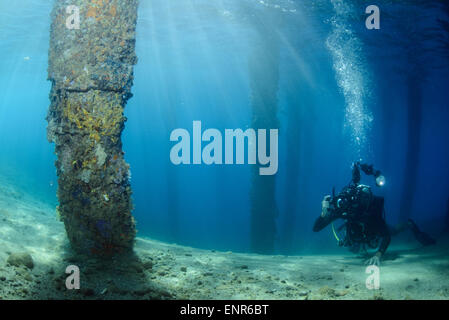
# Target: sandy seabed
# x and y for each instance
(159, 270)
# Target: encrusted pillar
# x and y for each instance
(91, 70)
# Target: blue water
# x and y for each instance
(344, 94)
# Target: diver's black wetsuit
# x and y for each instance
(363, 214)
(368, 226)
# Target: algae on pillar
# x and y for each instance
(91, 70)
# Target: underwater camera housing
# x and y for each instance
(351, 200)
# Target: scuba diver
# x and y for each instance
(364, 217)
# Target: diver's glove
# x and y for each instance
(374, 260)
(325, 206)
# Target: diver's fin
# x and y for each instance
(422, 237)
(425, 239)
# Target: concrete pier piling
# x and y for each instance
(91, 59)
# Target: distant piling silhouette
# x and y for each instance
(447, 217)
(413, 145)
(91, 70)
(264, 84)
